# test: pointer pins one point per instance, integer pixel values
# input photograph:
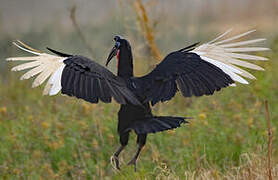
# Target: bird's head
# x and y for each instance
(120, 46)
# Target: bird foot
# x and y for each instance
(114, 160)
(133, 162)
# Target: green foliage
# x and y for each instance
(61, 137)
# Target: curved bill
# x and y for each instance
(111, 55)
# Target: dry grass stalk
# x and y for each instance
(146, 29)
(270, 136)
(80, 33)
(252, 166)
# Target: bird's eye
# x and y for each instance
(117, 44)
(116, 38)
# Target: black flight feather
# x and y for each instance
(58, 53)
(189, 48)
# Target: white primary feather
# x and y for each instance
(43, 65)
(56, 81)
(219, 37)
(234, 37)
(25, 49)
(242, 43)
(228, 55)
(227, 69)
(241, 71)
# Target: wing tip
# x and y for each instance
(213, 42)
(15, 69)
(261, 58)
(25, 47)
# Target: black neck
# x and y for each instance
(125, 66)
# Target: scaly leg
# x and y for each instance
(115, 158)
(141, 140)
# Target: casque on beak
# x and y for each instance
(113, 52)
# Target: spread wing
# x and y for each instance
(199, 71)
(74, 76)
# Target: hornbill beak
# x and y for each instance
(113, 53)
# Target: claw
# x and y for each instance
(115, 162)
(133, 162)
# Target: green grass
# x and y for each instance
(61, 137)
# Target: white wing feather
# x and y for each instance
(44, 66)
(228, 56)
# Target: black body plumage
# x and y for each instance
(180, 70)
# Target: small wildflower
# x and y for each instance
(45, 125)
(202, 116)
(83, 172)
(3, 111)
(250, 121)
(57, 144)
(30, 118)
(171, 132)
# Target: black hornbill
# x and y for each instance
(194, 70)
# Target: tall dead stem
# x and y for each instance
(78, 30)
(270, 136)
(146, 29)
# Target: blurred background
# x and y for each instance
(176, 23)
(58, 137)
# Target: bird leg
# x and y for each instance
(115, 158)
(134, 159)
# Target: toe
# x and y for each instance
(115, 162)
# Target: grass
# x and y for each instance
(61, 137)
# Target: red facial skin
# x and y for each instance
(118, 56)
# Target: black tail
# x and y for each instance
(157, 124)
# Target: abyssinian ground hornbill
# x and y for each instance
(194, 70)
